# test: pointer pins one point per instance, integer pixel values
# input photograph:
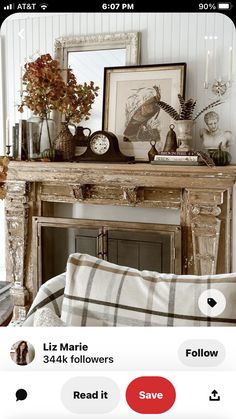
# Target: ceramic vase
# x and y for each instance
(64, 143)
(184, 134)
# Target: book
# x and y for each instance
(177, 162)
(14, 154)
(171, 157)
(15, 141)
(177, 153)
(175, 157)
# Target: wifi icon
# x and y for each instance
(43, 6)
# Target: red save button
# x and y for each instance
(150, 395)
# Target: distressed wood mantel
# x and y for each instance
(202, 194)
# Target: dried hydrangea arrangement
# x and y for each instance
(76, 103)
(45, 90)
(43, 86)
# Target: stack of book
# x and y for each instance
(4, 290)
(183, 158)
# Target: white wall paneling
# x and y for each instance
(2, 101)
(166, 38)
(2, 146)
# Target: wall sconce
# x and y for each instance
(219, 87)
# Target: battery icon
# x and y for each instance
(224, 6)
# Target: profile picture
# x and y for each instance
(22, 352)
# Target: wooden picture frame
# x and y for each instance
(130, 108)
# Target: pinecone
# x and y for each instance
(205, 158)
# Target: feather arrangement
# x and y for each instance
(186, 108)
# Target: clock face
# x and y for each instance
(99, 144)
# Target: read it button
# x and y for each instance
(150, 395)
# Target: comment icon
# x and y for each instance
(21, 394)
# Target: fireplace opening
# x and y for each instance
(155, 247)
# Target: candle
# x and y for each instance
(207, 67)
(230, 63)
(7, 132)
(21, 80)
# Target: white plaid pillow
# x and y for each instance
(100, 293)
(46, 317)
(50, 295)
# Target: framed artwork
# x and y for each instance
(130, 104)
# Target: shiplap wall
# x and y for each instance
(165, 38)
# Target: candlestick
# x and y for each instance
(207, 69)
(220, 85)
(7, 132)
(8, 150)
(230, 63)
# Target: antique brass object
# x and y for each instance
(153, 151)
(171, 140)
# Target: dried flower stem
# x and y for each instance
(49, 136)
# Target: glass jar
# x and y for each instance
(33, 137)
(48, 132)
(40, 135)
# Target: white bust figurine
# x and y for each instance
(212, 136)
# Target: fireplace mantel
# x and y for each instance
(131, 174)
(202, 194)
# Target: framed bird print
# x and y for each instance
(130, 104)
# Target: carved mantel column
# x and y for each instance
(207, 215)
(17, 214)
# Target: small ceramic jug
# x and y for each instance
(80, 138)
